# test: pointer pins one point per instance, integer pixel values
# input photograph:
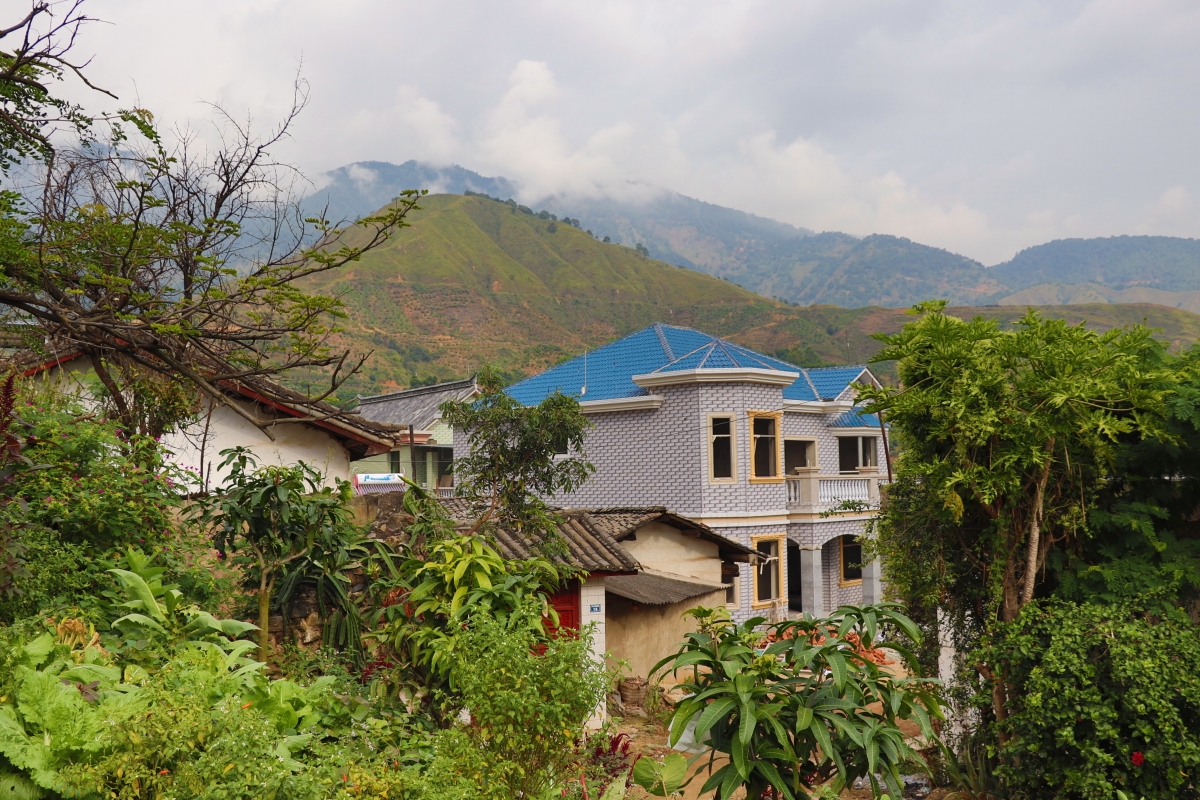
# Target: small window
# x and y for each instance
(766, 448)
(798, 454)
(767, 581)
(394, 461)
(721, 448)
(560, 446)
(730, 576)
(851, 559)
(856, 452)
(868, 452)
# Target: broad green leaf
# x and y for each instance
(140, 591)
(837, 666)
(34, 653)
(747, 723)
(804, 718)
(713, 712)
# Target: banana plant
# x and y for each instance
(800, 703)
(160, 614)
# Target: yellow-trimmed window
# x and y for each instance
(766, 445)
(851, 556)
(768, 571)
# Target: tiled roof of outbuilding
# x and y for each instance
(623, 523)
(653, 589)
(588, 547)
(607, 372)
(417, 407)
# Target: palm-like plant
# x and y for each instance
(800, 703)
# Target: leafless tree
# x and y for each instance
(175, 269)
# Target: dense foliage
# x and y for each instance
(293, 529)
(799, 703)
(1042, 520)
(512, 462)
(1109, 699)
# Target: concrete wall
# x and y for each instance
(664, 548)
(197, 449)
(642, 635)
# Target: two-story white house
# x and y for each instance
(769, 454)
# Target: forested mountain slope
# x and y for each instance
(475, 280)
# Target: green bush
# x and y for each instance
(90, 483)
(528, 698)
(1104, 698)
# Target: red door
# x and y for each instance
(566, 602)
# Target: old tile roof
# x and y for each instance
(608, 371)
(417, 407)
(588, 546)
(623, 523)
(656, 589)
(359, 435)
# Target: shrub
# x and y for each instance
(1104, 698)
(528, 699)
(800, 703)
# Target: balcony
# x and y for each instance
(815, 493)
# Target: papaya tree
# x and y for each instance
(1005, 436)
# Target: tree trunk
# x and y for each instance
(1035, 527)
(264, 619)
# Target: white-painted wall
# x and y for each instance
(198, 448)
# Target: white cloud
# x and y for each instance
(983, 128)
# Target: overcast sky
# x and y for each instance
(982, 127)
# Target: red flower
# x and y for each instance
(1137, 758)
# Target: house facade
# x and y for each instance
(329, 444)
(768, 454)
(424, 449)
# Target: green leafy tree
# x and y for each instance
(1005, 438)
(528, 697)
(797, 704)
(512, 459)
(437, 596)
(36, 55)
(279, 515)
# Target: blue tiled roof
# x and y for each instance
(855, 418)
(829, 382)
(667, 348)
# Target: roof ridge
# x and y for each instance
(662, 340)
(811, 385)
(418, 391)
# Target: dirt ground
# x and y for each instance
(649, 737)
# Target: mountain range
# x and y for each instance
(797, 266)
(478, 280)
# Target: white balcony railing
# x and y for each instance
(817, 493)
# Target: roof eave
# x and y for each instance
(650, 402)
(817, 406)
(769, 377)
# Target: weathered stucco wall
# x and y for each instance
(198, 448)
(643, 635)
(665, 548)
